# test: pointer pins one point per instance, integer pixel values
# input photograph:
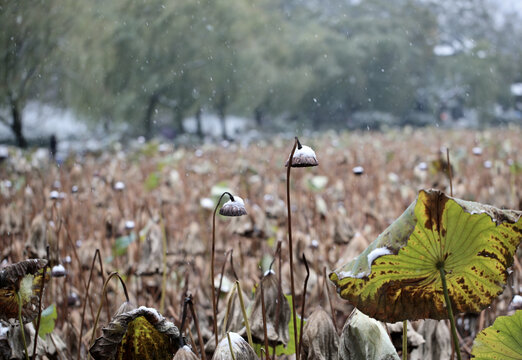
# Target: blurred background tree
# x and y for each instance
(151, 65)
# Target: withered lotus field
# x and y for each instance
(150, 212)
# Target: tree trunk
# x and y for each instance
(179, 114)
(199, 128)
(16, 125)
(258, 116)
(153, 101)
(222, 108)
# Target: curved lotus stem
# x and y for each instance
(213, 291)
(290, 248)
(104, 293)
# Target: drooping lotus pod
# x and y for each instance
(140, 333)
(277, 317)
(398, 276)
(24, 278)
(320, 340)
(242, 350)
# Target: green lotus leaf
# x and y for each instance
(398, 276)
(502, 340)
(137, 334)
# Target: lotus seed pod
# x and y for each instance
(320, 340)
(277, 317)
(119, 186)
(304, 156)
(358, 170)
(242, 350)
(233, 207)
(58, 271)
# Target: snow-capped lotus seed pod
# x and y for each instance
(242, 350)
(54, 195)
(358, 170)
(58, 271)
(119, 186)
(129, 224)
(477, 151)
(422, 166)
(233, 207)
(304, 156)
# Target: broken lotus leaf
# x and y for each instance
(242, 350)
(502, 340)
(398, 276)
(24, 278)
(365, 338)
(141, 333)
(185, 353)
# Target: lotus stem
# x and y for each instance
(40, 306)
(104, 293)
(264, 319)
(449, 171)
(330, 300)
(290, 248)
(19, 298)
(230, 346)
(96, 254)
(405, 340)
(303, 307)
(221, 277)
(229, 304)
(245, 317)
(196, 322)
(164, 265)
(212, 257)
(183, 319)
(450, 312)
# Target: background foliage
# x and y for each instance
(310, 62)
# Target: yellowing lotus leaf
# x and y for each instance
(24, 278)
(398, 276)
(137, 334)
(502, 340)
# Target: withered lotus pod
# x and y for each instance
(304, 156)
(277, 317)
(24, 278)
(242, 350)
(185, 353)
(140, 333)
(233, 207)
(320, 340)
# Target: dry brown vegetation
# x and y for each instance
(336, 214)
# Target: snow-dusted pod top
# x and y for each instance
(233, 207)
(304, 156)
